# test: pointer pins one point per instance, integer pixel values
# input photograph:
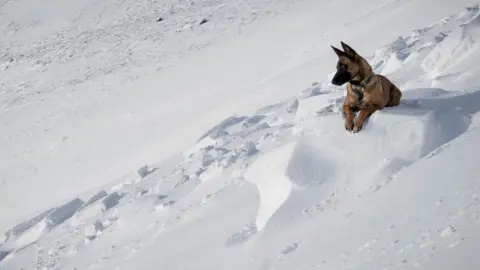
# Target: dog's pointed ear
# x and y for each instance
(338, 51)
(349, 52)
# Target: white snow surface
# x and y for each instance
(212, 138)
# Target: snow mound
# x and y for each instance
(455, 48)
(394, 62)
(392, 139)
(434, 55)
(267, 173)
(308, 167)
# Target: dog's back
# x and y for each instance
(394, 94)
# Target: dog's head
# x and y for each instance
(348, 65)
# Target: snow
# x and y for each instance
(269, 175)
(213, 138)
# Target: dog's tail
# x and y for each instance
(395, 96)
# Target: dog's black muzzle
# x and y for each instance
(341, 77)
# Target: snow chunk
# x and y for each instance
(4, 254)
(242, 236)
(247, 149)
(144, 171)
(212, 155)
(93, 231)
(32, 235)
(64, 212)
(230, 121)
(422, 130)
(268, 174)
(206, 142)
(111, 201)
(290, 248)
(99, 195)
(24, 226)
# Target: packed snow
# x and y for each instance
(207, 135)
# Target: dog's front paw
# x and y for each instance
(349, 125)
(357, 127)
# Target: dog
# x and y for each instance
(367, 92)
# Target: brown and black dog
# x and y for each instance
(366, 91)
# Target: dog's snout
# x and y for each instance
(341, 77)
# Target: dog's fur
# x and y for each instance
(366, 91)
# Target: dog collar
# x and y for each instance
(358, 87)
(363, 83)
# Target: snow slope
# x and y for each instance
(92, 98)
(71, 100)
(279, 184)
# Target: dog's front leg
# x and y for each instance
(348, 112)
(362, 115)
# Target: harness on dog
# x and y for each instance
(359, 87)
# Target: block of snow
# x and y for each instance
(93, 230)
(4, 254)
(111, 201)
(32, 234)
(24, 226)
(404, 132)
(96, 197)
(413, 134)
(64, 212)
(246, 149)
(143, 171)
(290, 248)
(212, 155)
(227, 160)
(292, 106)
